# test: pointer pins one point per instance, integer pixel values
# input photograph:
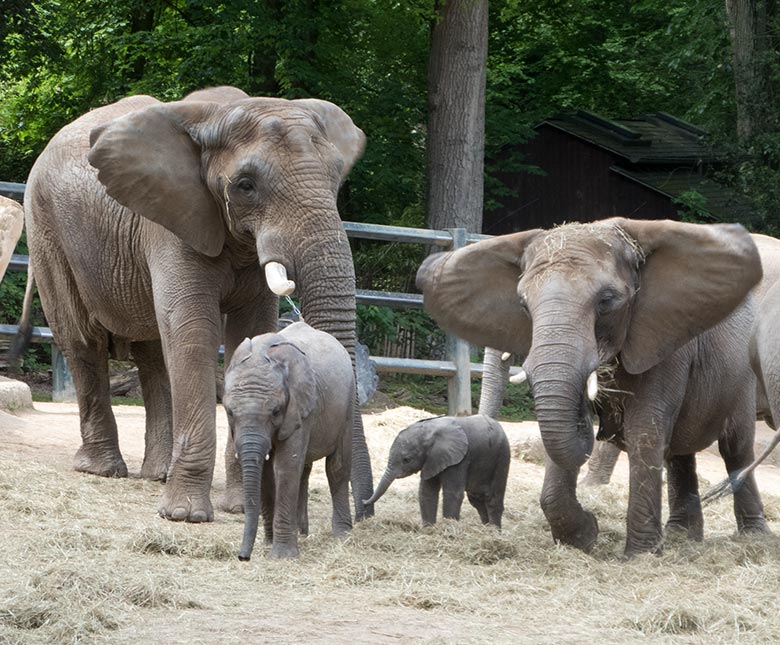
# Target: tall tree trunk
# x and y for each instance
(747, 27)
(456, 109)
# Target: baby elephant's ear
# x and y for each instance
(448, 448)
(301, 389)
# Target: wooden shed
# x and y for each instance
(593, 168)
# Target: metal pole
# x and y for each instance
(459, 385)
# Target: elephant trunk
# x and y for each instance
(327, 289)
(381, 487)
(558, 368)
(252, 449)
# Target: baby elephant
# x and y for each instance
(289, 398)
(456, 454)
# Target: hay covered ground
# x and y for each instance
(86, 559)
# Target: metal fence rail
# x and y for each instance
(458, 368)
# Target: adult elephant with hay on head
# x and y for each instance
(656, 307)
(150, 221)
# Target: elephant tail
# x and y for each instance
(23, 336)
(734, 481)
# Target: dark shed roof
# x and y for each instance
(652, 139)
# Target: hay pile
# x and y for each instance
(85, 559)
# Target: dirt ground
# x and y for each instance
(86, 559)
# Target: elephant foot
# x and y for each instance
(103, 463)
(753, 527)
(283, 551)
(581, 533)
(694, 530)
(155, 470)
(635, 546)
(183, 506)
(232, 500)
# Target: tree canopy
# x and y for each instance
(59, 58)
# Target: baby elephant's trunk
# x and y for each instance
(252, 450)
(381, 487)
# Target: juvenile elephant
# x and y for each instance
(148, 222)
(667, 300)
(455, 454)
(290, 395)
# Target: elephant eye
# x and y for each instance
(276, 411)
(523, 304)
(245, 185)
(608, 301)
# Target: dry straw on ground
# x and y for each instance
(85, 560)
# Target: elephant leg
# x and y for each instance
(569, 522)
(480, 503)
(495, 509)
(190, 330)
(258, 317)
(288, 466)
(683, 491)
(267, 498)
(303, 501)
(453, 483)
(645, 457)
(338, 468)
(601, 464)
(736, 447)
(429, 499)
(85, 348)
(156, 390)
(99, 453)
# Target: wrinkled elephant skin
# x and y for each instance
(453, 455)
(290, 396)
(152, 222)
(648, 308)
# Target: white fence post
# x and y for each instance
(459, 384)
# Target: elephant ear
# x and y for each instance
(219, 94)
(448, 448)
(339, 129)
(472, 292)
(693, 276)
(149, 162)
(301, 388)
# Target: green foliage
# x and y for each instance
(430, 393)
(60, 58)
(693, 207)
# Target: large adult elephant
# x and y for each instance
(606, 451)
(150, 221)
(667, 300)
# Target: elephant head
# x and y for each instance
(269, 392)
(576, 297)
(259, 169)
(429, 446)
(249, 179)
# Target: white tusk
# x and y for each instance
(518, 378)
(276, 277)
(506, 356)
(268, 456)
(593, 385)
